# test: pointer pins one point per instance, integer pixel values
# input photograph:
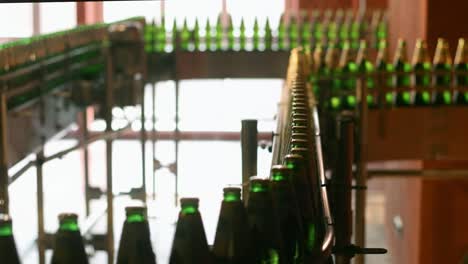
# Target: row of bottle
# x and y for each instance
(281, 222)
(266, 231)
(399, 83)
(302, 30)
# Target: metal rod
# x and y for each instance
(109, 191)
(176, 174)
(143, 137)
(153, 137)
(249, 153)
(86, 160)
(40, 206)
(4, 199)
(361, 179)
(327, 243)
(341, 187)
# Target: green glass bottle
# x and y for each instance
(344, 33)
(293, 33)
(68, 245)
(264, 223)
(208, 37)
(319, 69)
(366, 70)
(282, 45)
(8, 251)
(256, 35)
(421, 73)
(332, 70)
(355, 32)
(285, 203)
(233, 241)
(304, 197)
(382, 28)
(174, 35)
(317, 31)
(461, 72)
(306, 34)
(385, 75)
(268, 38)
(442, 73)
(196, 35)
(242, 36)
(219, 34)
(190, 244)
(347, 72)
(231, 38)
(135, 242)
(185, 37)
(161, 36)
(332, 32)
(149, 37)
(402, 71)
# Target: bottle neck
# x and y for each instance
(189, 209)
(231, 197)
(136, 217)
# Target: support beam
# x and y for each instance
(89, 12)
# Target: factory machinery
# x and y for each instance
(327, 119)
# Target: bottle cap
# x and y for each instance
(68, 222)
(189, 205)
(135, 213)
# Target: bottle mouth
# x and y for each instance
(135, 214)
(189, 205)
(258, 185)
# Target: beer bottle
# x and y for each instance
(442, 73)
(8, 252)
(385, 70)
(355, 32)
(317, 28)
(331, 59)
(319, 68)
(242, 37)
(174, 35)
(149, 38)
(293, 33)
(256, 35)
(219, 34)
(303, 190)
(135, 243)
(402, 74)
(161, 36)
(382, 28)
(208, 38)
(268, 38)
(344, 33)
(347, 70)
(196, 35)
(306, 34)
(264, 223)
(366, 69)
(185, 36)
(285, 203)
(461, 72)
(230, 35)
(68, 245)
(190, 244)
(421, 73)
(282, 34)
(233, 242)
